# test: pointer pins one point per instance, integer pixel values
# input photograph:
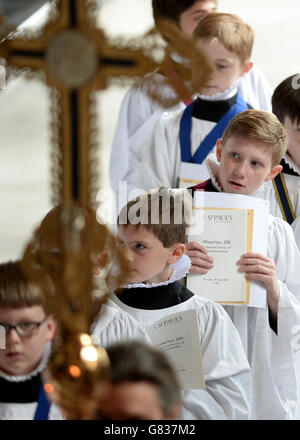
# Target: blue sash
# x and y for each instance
(43, 406)
(211, 139)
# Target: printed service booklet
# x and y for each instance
(178, 337)
(228, 225)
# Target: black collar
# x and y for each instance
(155, 298)
(20, 392)
(212, 110)
(286, 169)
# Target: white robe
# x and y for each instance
(293, 186)
(114, 325)
(162, 155)
(226, 370)
(296, 229)
(274, 359)
(139, 114)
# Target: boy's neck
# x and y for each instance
(221, 96)
(163, 276)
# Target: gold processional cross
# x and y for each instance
(77, 60)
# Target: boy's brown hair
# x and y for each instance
(260, 126)
(16, 291)
(164, 212)
(286, 99)
(171, 9)
(230, 30)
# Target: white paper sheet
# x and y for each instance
(178, 336)
(260, 228)
(224, 235)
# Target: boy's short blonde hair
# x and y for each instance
(230, 30)
(262, 127)
(16, 291)
(164, 212)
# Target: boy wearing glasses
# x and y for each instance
(29, 330)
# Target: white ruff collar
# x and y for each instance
(213, 170)
(41, 366)
(290, 161)
(221, 96)
(180, 269)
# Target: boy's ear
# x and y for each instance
(219, 145)
(247, 66)
(51, 327)
(176, 253)
(273, 173)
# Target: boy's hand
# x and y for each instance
(261, 268)
(201, 261)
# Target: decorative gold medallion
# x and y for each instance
(72, 58)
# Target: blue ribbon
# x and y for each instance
(43, 407)
(211, 139)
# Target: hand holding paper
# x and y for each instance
(201, 261)
(260, 268)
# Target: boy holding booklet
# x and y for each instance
(154, 247)
(249, 155)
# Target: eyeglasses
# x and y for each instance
(23, 328)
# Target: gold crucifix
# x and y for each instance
(77, 60)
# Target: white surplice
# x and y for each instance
(113, 325)
(296, 229)
(226, 369)
(274, 358)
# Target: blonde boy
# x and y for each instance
(189, 136)
(249, 155)
(153, 237)
(29, 328)
(139, 113)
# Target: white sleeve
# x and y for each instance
(287, 341)
(114, 325)
(296, 229)
(137, 117)
(282, 248)
(256, 90)
(226, 371)
(160, 156)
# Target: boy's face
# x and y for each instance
(149, 260)
(189, 19)
(293, 131)
(23, 354)
(226, 66)
(244, 165)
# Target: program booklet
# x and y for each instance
(228, 225)
(226, 235)
(178, 336)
